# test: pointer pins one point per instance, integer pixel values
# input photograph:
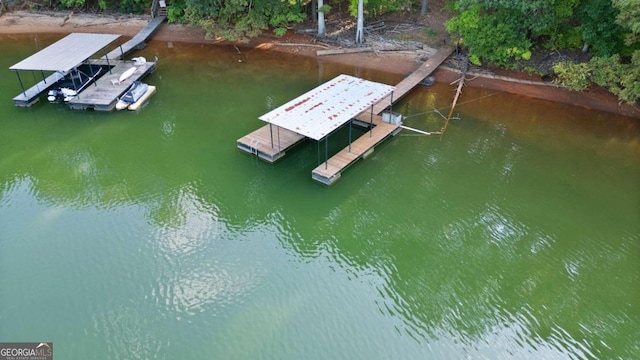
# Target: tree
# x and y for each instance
(242, 19)
(629, 18)
(321, 28)
(423, 10)
(599, 28)
(360, 23)
(501, 31)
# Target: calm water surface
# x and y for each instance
(148, 235)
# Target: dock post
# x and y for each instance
(35, 81)
(350, 121)
(109, 65)
(391, 105)
(326, 152)
(24, 92)
(279, 146)
(371, 130)
(271, 134)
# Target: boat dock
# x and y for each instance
(271, 142)
(64, 58)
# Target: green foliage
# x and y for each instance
(568, 37)
(575, 77)
(621, 79)
(501, 31)
(241, 19)
(72, 4)
(490, 36)
(629, 18)
(175, 13)
(132, 6)
(599, 28)
(379, 7)
(325, 8)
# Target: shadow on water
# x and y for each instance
(504, 238)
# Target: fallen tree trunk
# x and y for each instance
(501, 77)
(302, 44)
(343, 51)
(465, 65)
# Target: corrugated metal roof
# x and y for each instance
(66, 53)
(324, 109)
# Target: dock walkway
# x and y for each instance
(138, 41)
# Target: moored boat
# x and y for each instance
(135, 96)
(143, 99)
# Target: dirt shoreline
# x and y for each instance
(25, 22)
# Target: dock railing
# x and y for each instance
(159, 8)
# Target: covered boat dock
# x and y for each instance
(60, 58)
(316, 115)
(272, 141)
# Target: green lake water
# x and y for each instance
(148, 235)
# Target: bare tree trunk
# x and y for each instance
(360, 26)
(321, 28)
(314, 11)
(423, 11)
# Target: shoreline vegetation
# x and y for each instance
(397, 60)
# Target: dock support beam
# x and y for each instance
(326, 152)
(271, 134)
(279, 146)
(24, 92)
(371, 129)
(350, 121)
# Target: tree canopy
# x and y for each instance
(506, 31)
(502, 32)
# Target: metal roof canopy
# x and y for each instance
(315, 114)
(66, 53)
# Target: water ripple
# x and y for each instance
(128, 334)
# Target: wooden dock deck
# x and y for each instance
(260, 142)
(411, 81)
(330, 171)
(105, 92)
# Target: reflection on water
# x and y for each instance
(513, 236)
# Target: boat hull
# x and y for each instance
(143, 99)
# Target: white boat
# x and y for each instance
(137, 94)
(127, 74)
(143, 99)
